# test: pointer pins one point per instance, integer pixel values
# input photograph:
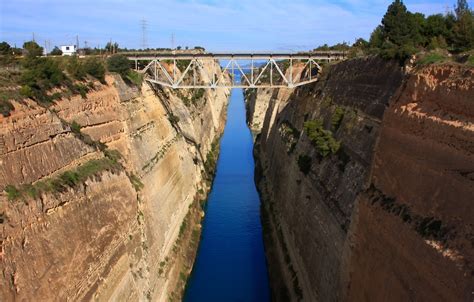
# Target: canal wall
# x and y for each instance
(101, 194)
(366, 183)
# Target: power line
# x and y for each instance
(144, 25)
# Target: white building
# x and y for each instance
(68, 50)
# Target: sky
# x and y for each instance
(217, 25)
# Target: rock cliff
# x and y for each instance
(366, 183)
(103, 194)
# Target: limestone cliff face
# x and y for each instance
(386, 214)
(127, 232)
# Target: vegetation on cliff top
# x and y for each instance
(48, 79)
(403, 33)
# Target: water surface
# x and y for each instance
(230, 265)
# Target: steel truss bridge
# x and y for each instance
(247, 70)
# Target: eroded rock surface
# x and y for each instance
(386, 217)
(119, 235)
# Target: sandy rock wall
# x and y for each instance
(328, 231)
(419, 203)
(107, 238)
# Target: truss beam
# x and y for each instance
(183, 70)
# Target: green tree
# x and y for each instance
(376, 38)
(112, 47)
(400, 31)
(463, 30)
(32, 49)
(119, 64)
(56, 51)
(5, 49)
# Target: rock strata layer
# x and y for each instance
(366, 180)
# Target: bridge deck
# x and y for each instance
(324, 55)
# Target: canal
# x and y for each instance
(230, 265)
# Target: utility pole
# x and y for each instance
(144, 25)
(172, 41)
(77, 42)
(34, 37)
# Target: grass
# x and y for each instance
(470, 60)
(432, 58)
(135, 78)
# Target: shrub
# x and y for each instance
(6, 107)
(337, 117)
(56, 51)
(81, 89)
(322, 139)
(432, 58)
(75, 68)
(39, 76)
(32, 49)
(304, 162)
(119, 64)
(137, 184)
(173, 118)
(135, 77)
(12, 192)
(182, 64)
(95, 68)
(75, 127)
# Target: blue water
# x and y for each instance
(230, 265)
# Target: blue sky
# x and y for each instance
(218, 25)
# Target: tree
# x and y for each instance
(111, 47)
(400, 31)
(361, 43)
(32, 49)
(463, 37)
(376, 38)
(56, 51)
(119, 64)
(5, 49)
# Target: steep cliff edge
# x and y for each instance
(82, 221)
(361, 202)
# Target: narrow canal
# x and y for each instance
(230, 264)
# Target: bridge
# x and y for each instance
(246, 70)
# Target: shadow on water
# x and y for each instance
(230, 265)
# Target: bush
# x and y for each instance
(173, 118)
(95, 68)
(39, 76)
(75, 127)
(32, 49)
(337, 117)
(119, 64)
(12, 192)
(75, 68)
(6, 107)
(56, 51)
(432, 58)
(322, 139)
(135, 77)
(304, 162)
